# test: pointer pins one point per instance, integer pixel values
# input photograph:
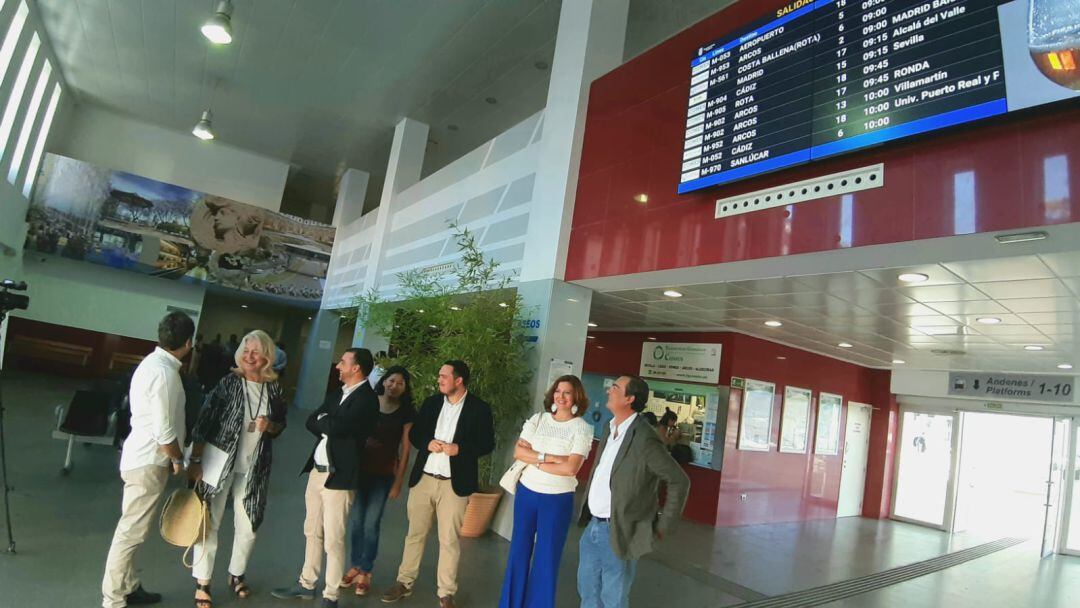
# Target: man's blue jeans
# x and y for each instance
(365, 519)
(603, 579)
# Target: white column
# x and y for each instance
(319, 347)
(352, 190)
(402, 171)
(589, 44)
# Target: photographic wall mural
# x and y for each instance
(117, 219)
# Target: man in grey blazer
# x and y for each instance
(620, 511)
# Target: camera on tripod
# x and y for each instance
(12, 301)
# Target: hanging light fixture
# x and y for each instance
(219, 28)
(203, 130)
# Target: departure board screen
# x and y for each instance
(823, 77)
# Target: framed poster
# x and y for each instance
(755, 420)
(827, 439)
(795, 420)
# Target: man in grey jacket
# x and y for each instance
(620, 511)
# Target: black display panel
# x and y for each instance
(824, 77)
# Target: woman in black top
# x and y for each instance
(386, 458)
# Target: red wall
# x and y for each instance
(777, 487)
(633, 145)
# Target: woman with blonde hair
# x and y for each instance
(243, 414)
(554, 444)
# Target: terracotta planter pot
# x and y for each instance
(479, 513)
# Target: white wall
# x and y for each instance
(99, 298)
(112, 141)
(489, 191)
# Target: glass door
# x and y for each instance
(1059, 451)
(1070, 533)
(924, 492)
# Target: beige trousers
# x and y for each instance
(324, 528)
(243, 535)
(433, 498)
(143, 488)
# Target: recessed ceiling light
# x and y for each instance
(652, 338)
(671, 293)
(243, 306)
(591, 337)
(433, 327)
(203, 129)
(781, 358)
(571, 300)
(845, 345)
(600, 347)
(773, 323)
(455, 308)
(898, 361)
(491, 100)
(641, 198)
(1065, 366)
(219, 27)
(591, 324)
(503, 304)
(421, 310)
(914, 277)
(1033, 347)
(309, 318)
(988, 320)
(1021, 237)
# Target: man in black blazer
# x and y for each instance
(341, 427)
(452, 431)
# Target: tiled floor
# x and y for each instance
(63, 526)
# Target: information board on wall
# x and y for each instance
(681, 361)
(823, 77)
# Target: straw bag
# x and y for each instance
(184, 521)
(512, 475)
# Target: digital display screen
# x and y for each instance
(823, 77)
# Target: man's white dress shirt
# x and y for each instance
(157, 411)
(600, 490)
(445, 428)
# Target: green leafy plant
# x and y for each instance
(468, 312)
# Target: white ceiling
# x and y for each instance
(321, 83)
(931, 325)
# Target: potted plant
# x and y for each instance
(468, 312)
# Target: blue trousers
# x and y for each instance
(603, 580)
(365, 519)
(541, 523)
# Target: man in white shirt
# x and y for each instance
(341, 427)
(150, 452)
(621, 506)
(452, 430)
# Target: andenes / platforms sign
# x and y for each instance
(1012, 387)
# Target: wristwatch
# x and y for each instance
(541, 458)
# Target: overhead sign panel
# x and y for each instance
(1012, 387)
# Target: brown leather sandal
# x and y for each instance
(239, 587)
(204, 602)
(351, 577)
